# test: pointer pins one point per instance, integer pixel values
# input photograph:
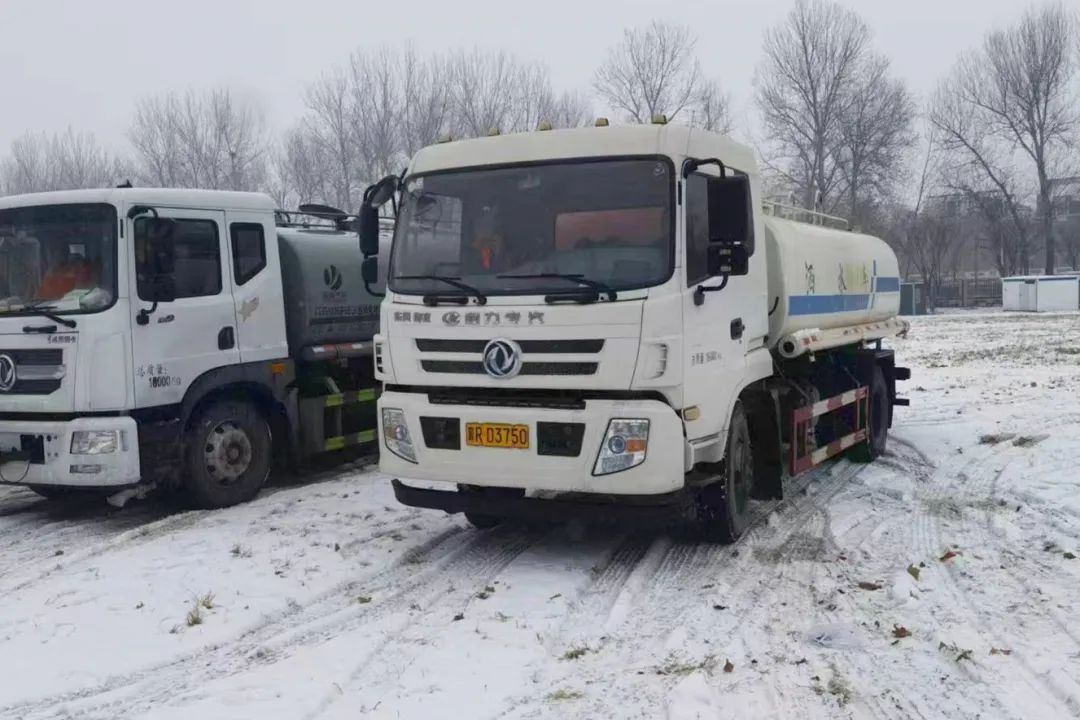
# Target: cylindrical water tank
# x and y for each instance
(823, 278)
(325, 298)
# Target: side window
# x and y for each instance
(697, 229)
(248, 250)
(196, 258)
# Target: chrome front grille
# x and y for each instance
(535, 356)
(37, 371)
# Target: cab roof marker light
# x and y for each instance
(544, 126)
(493, 132)
(601, 122)
(445, 138)
(660, 119)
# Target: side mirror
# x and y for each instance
(369, 270)
(381, 192)
(369, 273)
(368, 219)
(725, 259)
(731, 213)
(375, 196)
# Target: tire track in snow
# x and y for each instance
(454, 554)
(675, 588)
(1053, 699)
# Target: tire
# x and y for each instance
(227, 454)
(878, 412)
(721, 509)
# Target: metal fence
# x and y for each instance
(967, 292)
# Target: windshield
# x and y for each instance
(607, 222)
(60, 258)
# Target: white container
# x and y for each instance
(822, 278)
(1041, 293)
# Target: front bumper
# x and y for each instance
(662, 472)
(39, 453)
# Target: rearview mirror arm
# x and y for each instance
(691, 164)
(143, 318)
(699, 293)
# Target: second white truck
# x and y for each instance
(610, 322)
(179, 338)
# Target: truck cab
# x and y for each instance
(554, 324)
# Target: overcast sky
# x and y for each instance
(84, 62)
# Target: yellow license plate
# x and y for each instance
(497, 435)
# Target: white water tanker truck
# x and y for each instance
(610, 322)
(178, 337)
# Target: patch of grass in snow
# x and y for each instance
(1029, 440)
(679, 667)
(960, 654)
(194, 616)
(239, 551)
(995, 438)
(576, 653)
(1062, 350)
(955, 506)
(839, 688)
(205, 601)
(563, 695)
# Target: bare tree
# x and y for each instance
(654, 70)
(1018, 93)
(65, 161)
(876, 133)
(331, 126)
(711, 108)
(427, 101)
(977, 164)
(804, 91)
(210, 140)
(487, 92)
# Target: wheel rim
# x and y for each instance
(227, 453)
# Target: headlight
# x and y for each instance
(396, 434)
(625, 445)
(94, 442)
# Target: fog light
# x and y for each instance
(625, 446)
(396, 434)
(85, 469)
(94, 442)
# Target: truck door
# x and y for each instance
(180, 340)
(257, 291)
(715, 354)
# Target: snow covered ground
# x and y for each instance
(941, 582)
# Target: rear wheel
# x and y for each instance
(228, 454)
(721, 508)
(877, 420)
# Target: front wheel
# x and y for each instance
(228, 449)
(721, 509)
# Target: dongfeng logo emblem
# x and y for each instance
(332, 277)
(502, 359)
(7, 373)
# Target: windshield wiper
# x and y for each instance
(40, 308)
(580, 279)
(481, 298)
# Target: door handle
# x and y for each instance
(737, 328)
(226, 339)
